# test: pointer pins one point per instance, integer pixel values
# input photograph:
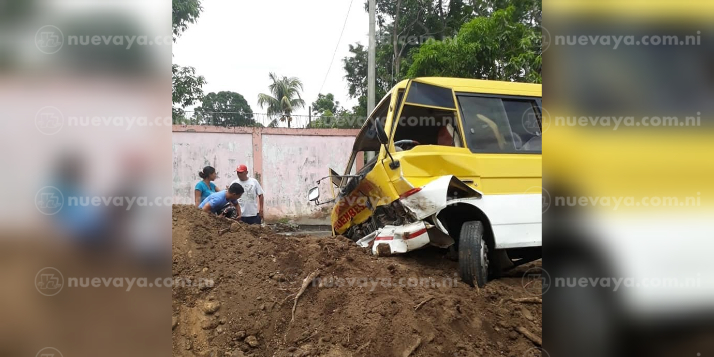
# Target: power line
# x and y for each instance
(336, 47)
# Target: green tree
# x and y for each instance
(325, 103)
(324, 121)
(360, 110)
(342, 119)
(356, 75)
(284, 97)
(329, 114)
(186, 90)
(186, 85)
(528, 12)
(225, 109)
(183, 13)
(495, 47)
(407, 25)
(403, 26)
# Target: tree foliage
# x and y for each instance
(342, 119)
(183, 13)
(284, 97)
(329, 114)
(492, 47)
(186, 85)
(186, 91)
(405, 26)
(225, 109)
(528, 12)
(325, 103)
(356, 75)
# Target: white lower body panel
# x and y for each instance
(515, 219)
(518, 235)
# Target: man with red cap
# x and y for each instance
(251, 203)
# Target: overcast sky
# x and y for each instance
(236, 43)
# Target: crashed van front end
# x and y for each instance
(421, 207)
(450, 163)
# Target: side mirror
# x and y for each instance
(381, 134)
(314, 194)
(384, 140)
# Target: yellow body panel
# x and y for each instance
(631, 162)
(490, 173)
(638, 9)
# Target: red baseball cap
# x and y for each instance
(242, 168)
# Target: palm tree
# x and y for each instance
(284, 98)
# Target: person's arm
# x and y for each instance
(197, 197)
(229, 185)
(261, 202)
(207, 207)
(237, 206)
(260, 208)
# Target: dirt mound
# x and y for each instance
(359, 305)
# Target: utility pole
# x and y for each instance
(371, 58)
(371, 67)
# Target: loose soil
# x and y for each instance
(359, 304)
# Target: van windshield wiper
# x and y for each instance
(340, 176)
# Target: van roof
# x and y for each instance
(470, 85)
(480, 86)
(641, 9)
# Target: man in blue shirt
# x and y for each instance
(217, 202)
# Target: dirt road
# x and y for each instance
(358, 304)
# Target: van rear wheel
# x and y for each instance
(473, 254)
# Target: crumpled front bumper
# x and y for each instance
(397, 239)
(424, 204)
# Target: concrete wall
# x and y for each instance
(287, 162)
(193, 151)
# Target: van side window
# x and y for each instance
(524, 120)
(500, 125)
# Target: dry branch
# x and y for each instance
(529, 335)
(363, 347)
(525, 300)
(411, 350)
(528, 300)
(305, 283)
(422, 303)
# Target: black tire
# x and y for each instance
(473, 254)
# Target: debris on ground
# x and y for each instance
(357, 305)
(281, 227)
